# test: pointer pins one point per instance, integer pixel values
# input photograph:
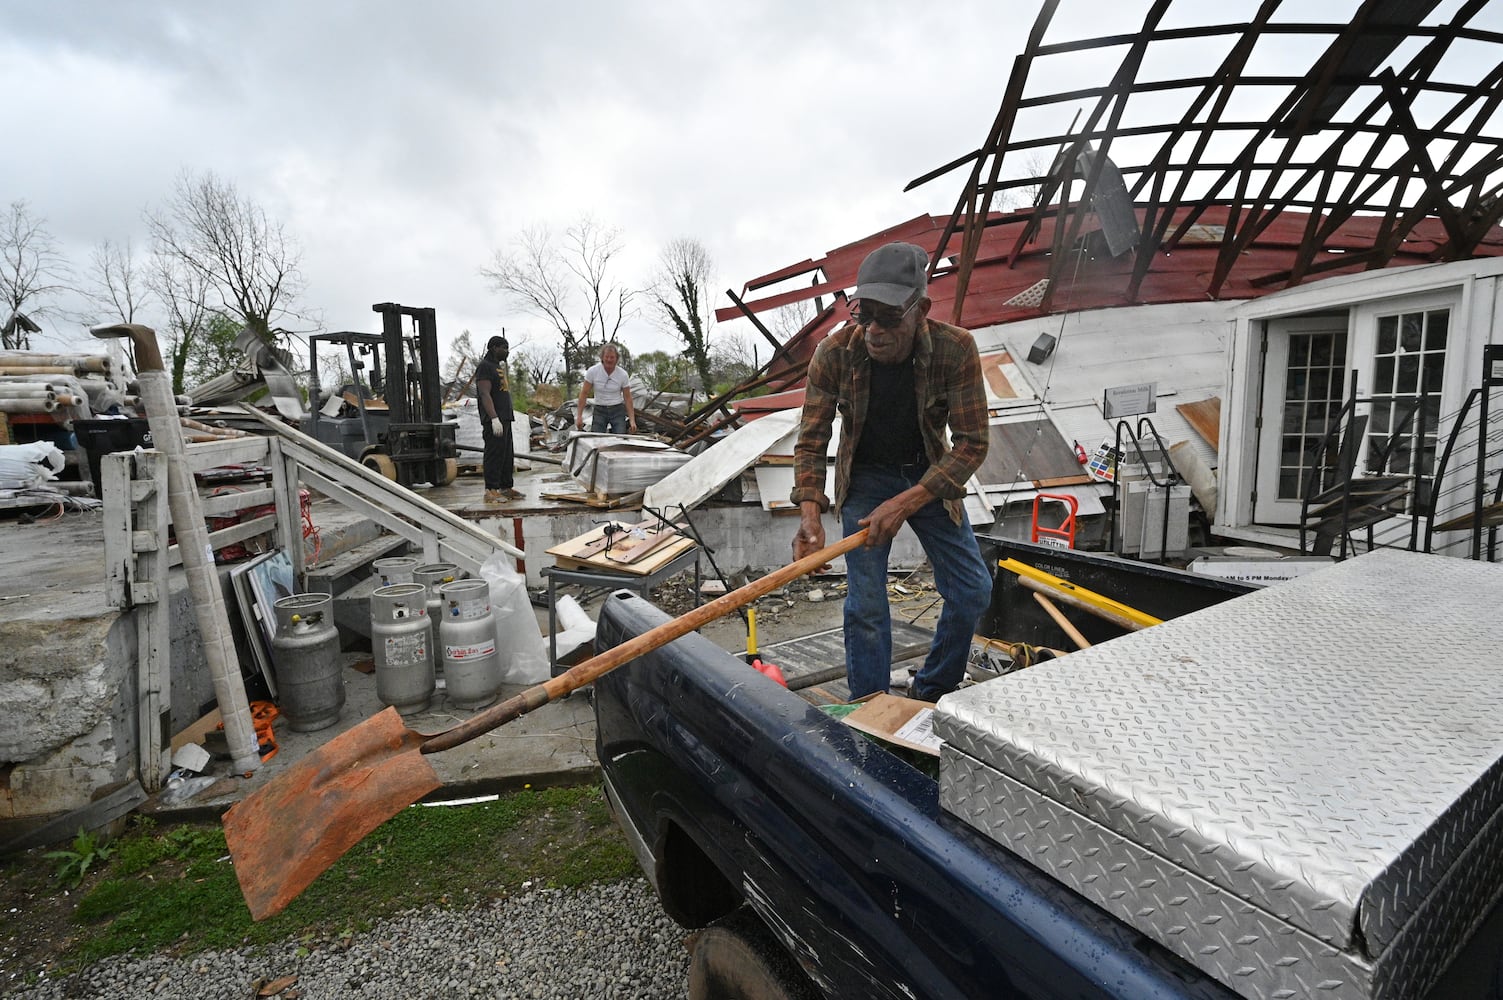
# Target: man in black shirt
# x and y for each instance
(493, 390)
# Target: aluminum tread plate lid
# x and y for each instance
(1325, 748)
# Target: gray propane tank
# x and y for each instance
(433, 576)
(402, 641)
(395, 569)
(467, 635)
(305, 650)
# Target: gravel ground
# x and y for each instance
(610, 941)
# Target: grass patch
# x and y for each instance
(176, 887)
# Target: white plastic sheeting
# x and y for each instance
(28, 466)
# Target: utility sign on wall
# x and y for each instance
(1129, 400)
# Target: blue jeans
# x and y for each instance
(960, 575)
(608, 419)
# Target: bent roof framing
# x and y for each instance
(1381, 124)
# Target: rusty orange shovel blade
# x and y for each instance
(288, 832)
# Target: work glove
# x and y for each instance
(497, 427)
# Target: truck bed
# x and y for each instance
(738, 795)
(734, 789)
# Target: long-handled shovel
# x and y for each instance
(287, 833)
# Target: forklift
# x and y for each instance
(393, 425)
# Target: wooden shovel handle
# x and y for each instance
(597, 666)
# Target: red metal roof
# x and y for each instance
(1097, 281)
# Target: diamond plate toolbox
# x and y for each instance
(1299, 791)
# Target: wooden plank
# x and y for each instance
(1492, 516)
(284, 483)
(153, 625)
(235, 451)
(1204, 417)
(231, 501)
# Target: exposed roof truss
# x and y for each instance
(1128, 139)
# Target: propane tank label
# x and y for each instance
(464, 610)
(404, 649)
(473, 652)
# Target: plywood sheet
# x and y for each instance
(1029, 450)
(1204, 416)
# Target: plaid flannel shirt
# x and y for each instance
(947, 379)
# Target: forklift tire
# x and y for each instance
(737, 958)
(451, 471)
(380, 463)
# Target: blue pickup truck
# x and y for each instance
(813, 861)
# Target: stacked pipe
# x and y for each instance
(65, 386)
(100, 396)
(38, 363)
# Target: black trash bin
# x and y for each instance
(101, 436)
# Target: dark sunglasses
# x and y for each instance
(884, 316)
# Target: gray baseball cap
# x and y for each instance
(892, 273)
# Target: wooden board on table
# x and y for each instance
(637, 549)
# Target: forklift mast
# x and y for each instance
(413, 394)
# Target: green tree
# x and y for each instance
(663, 371)
(213, 352)
(680, 293)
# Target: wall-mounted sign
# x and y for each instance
(1129, 400)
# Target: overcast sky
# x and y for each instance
(401, 144)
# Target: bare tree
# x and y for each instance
(537, 361)
(571, 286)
(462, 357)
(735, 358)
(31, 270)
(184, 294)
(245, 257)
(681, 296)
(116, 283)
(786, 321)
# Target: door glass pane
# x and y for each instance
(1312, 396)
(1408, 361)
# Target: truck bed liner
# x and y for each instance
(1298, 791)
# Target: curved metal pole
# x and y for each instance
(193, 543)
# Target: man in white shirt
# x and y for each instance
(614, 413)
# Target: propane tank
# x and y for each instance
(395, 569)
(305, 650)
(402, 640)
(467, 635)
(433, 576)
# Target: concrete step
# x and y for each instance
(349, 578)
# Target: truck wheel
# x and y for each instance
(737, 958)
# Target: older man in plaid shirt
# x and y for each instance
(897, 379)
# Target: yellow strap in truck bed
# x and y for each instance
(1090, 597)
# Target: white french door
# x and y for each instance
(1305, 371)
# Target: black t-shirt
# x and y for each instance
(890, 434)
(488, 371)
